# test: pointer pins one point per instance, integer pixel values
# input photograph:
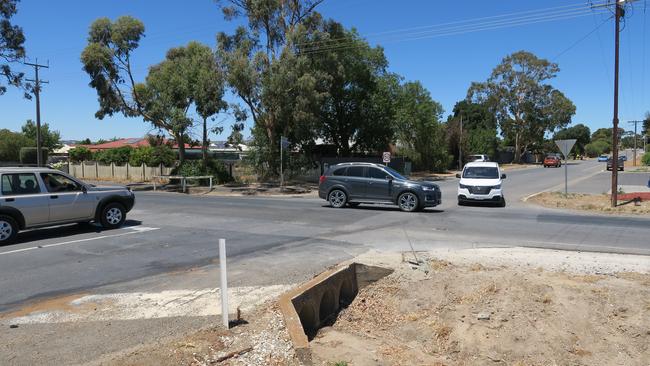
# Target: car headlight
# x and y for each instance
(425, 188)
(462, 186)
(498, 186)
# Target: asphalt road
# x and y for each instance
(168, 232)
(286, 240)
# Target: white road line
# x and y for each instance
(135, 230)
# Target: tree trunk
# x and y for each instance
(204, 147)
(517, 157)
(180, 141)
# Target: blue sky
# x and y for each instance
(446, 65)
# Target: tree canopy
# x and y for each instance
(526, 107)
(12, 49)
(580, 132)
(51, 140)
(419, 131)
(356, 113)
(479, 132)
(189, 76)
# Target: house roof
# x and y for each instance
(132, 142)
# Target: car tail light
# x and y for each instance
(322, 179)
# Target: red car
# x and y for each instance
(553, 161)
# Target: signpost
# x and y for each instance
(386, 157)
(565, 147)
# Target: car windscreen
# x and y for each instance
(481, 172)
(394, 173)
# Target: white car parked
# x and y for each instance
(479, 157)
(481, 181)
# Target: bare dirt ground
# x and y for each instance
(588, 202)
(496, 306)
(494, 313)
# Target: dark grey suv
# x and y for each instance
(356, 183)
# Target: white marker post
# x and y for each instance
(224, 282)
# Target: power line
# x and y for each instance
(581, 39)
(457, 31)
(458, 23)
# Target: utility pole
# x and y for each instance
(37, 91)
(635, 137)
(460, 145)
(618, 14)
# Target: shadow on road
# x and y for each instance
(64, 231)
(386, 208)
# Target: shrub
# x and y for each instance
(80, 153)
(120, 155)
(646, 159)
(10, 145)
(596, 148)
(153, 156)
(215, 168)
(28, 155)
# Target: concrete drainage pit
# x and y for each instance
(317, 303)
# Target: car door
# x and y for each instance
(356, 182)
(23, 192)
(378, 186)
(68, 201)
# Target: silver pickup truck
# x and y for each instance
(37, 197)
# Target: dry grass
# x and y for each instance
(588, 202)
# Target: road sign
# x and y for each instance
(386, 157)
(284, 142)
(565, 146)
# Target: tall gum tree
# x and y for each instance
(277, 85)
(187, 77)
(526, 107)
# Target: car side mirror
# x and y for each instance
(84, 189)
(457, 175)
(389, 178)
(503, 176)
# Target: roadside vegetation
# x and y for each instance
(589, 202)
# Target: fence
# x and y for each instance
(128, 172)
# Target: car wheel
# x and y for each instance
(353, 204)
(502, 203)
(8, 229)
(461, 202)
(113, 216)
(408, 202)
(337, 198)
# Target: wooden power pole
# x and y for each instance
(37, 92)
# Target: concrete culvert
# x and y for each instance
(308, 320)
(346, 293)
(328, 306)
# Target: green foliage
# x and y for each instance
(80, 153)
(12, 49)
(355, 114)
(120, 155)
(195, 168)
(579, 132)
(10, 145)
(50, 139)
(152, 156)
(645, 159)
(597, 147)
(479, 133)
(279, 87)
(85, 142)
(524, 105)
(419, 130)
(28, 155)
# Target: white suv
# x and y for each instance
(481, 181)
